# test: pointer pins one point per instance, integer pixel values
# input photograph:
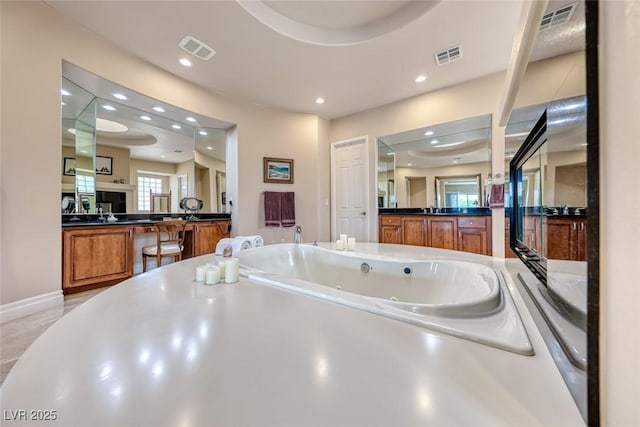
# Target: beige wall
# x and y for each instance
(619, 207)
(35, 40)
(120, 163)
(214, 165)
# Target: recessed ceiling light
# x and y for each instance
(159, 109)
(176, 126)
(63, 103)
(319, 100)
(185, 62)
(421, 78)
(120, 96)
(434, 142)
(147, 118)
(191, 119)
(72, 131)
(203, 133)
(209, 148)
(408, 164)
(65, 92)
(109, 107)
(163, 156)
(429, 133)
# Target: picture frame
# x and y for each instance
(104, 165)
(279, 171)
(69, 166)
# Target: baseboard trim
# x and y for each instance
(31, 305)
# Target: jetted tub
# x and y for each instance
(462, 298)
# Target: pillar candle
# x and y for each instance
(232, 270)
(343, 237)
(221, 267)
(351, 243)
(201, 273)
(340, 245)
(212, 276)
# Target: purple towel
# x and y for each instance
(272, 208)
(288, 209)
(496, 200)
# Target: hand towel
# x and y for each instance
(256, 240)
(272, 209)
(237, 244)
(288, 209)
(496, 200)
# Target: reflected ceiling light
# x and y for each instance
(72, 131)
(159, 109)
(421, 78)
(65, 92)
(146, 118)
(185, 62)
(204, 133)
(319, 100)
(109, 107)
(120, 96)
(584, 144)
(209, 148)
(434, 142)
(455, 159)
(389, 154)
(451, 145)
(429, 133)
(191, 119)
(408, 164)
(84, 151)
(162, 156)
(63, 103)
(176, 126)
(110, 126)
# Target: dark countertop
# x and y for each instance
(135, 219)
(442, 211)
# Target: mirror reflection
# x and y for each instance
(447, 165)
(140, 156)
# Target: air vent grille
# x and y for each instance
(448, 55)
(557, 16)
(196, 48)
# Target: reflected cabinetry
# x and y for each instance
(103, 255)
(462, 233)
(566, 239)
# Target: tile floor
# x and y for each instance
(17, 335)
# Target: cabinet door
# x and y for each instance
(473, 240)
(208, 235)
(413, 231)
(391, 234)
(97, 255)
(561, 239)
(442, 232)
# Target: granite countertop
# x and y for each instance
(135, 219)
(442, 211)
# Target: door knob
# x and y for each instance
(363, 213)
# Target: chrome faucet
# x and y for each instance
(297, 235)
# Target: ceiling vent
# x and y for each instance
(196, 48)
(557, 17)
(448, 55)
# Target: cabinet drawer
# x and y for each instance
(472, 222)
(390, 220)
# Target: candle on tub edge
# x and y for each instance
(351, 243)
(340, 245)
(212, 276)
(221, 267)
(232, 270)
(201, 273)
(343, 237)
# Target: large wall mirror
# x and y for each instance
(126, 153)
(551, 153)
(447, 165)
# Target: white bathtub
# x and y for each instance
(462, 298)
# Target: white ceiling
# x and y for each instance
(356, 55)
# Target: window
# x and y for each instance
(146, 185)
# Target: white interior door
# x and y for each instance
(350, 208)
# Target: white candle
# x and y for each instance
(221, 267)
(340, 245)
(212, 276)
(232, 270)
(343, 237)
(200, 273)
(351, 243)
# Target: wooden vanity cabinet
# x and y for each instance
(566, 239)
(462, 233)
(207, 236)
(391, 229)
(96, 255)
